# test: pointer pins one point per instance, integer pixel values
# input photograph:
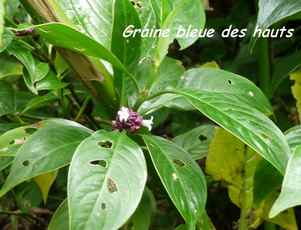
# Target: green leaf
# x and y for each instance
(126, 49)
(67, 37)
(47, 150)
(36, 70)
(271, 12)
(181, 177)
(196, 141)
(293, 137)
(106, 179)
(45, 182)
(7, 99)
(9, 67)
(60, 219)
(141, 219)
(89, 16)
(182, 15)
(215, 81)
(291, 186)
(244, 122)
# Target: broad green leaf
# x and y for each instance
(273, 11)
(181, 176)
(126, 49)
(60, 219)
(7, 99)
(296, 89)
(196, 141)
(7, 156)
(89, 16)
(243, 121)
(106, 181)
(267, 180)
(2, 14)
(205, 223)
(184, 14)
(291, 186)
(45, 182)
(9, 67)
(169, 75)
(67, 37)
(215, 81)
(47, 150)
(141, 219)
(293, 137)
(7, 38)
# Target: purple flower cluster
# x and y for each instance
(127, 119)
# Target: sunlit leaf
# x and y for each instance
(106, 179)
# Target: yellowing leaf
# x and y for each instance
(211, 64)
(45, 182)
(234, 164)
(296, 89)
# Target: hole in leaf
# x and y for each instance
(30, 130)
(179, 162)
(105, 144)
(25, 163)
(229, 82)
(102, 163)
(103, 206)
(112, 187)
(202, 138)
(12, 142)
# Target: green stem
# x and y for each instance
(243, 220)
(83, 108)
(264, 65)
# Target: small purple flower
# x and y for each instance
(131, 121)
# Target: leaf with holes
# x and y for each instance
(196, 141)
(48, 149)
(243, 121)
(60, 219)
(212, 80)
(181, 177)
(106, 179)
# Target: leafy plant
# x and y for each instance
(111, 131)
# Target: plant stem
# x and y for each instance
(243, 220)
(264, 65)
(83, 108)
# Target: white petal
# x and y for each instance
(123, 114)
(148, 123)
